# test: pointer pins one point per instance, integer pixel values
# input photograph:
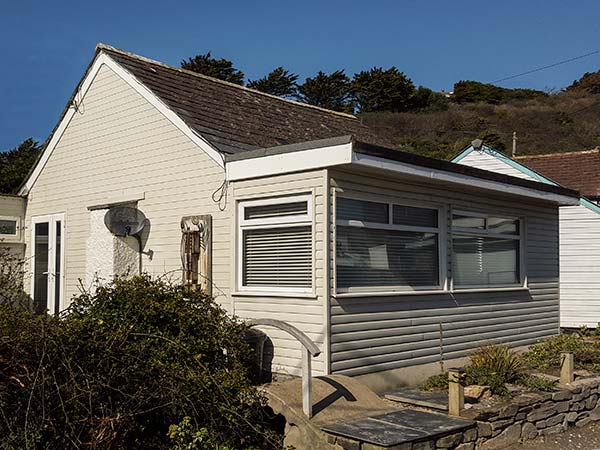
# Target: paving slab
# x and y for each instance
(414, 396)
(400, 427)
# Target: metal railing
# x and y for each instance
(309, 350)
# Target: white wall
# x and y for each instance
(580, 267)
(119, 147)
(486, 161)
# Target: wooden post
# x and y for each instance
(567, 364)
(306, 383)
(456, 392)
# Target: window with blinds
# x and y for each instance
(276, 244)
(385, 246)
(486, 251)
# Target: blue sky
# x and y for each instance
(45, 46)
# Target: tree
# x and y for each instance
(328, 91)
(217, 68)
(15, 165)
(477, 92)
(382, 90)
(279, 82)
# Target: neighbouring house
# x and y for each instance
(12, 211)
(579, 225)
(390, 262)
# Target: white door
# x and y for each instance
(48, 261)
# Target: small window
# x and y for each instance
(486, 251)
(377, 252)
(362, 211)
(416, 217)
(9, 226)
(276, 210)
(276, 244)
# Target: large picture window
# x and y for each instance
(276, 243)
(486, 251)
(386, 246)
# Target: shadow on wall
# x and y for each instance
(263, 351)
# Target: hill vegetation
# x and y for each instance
(561, 122)
(437, 124)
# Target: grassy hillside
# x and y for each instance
(566, 121)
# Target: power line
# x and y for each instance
(546, 67)
(593, 105)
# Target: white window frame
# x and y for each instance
(440, 230)
(11, 237)
(306, 219)
(466, 231)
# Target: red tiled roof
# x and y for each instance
(575, 170)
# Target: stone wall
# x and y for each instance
(524, 417)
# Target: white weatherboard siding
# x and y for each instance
(118, 147)
(306, 312)
(579, 252)
(13, 207)
(580, 267)
(485, 161)
(371, 333)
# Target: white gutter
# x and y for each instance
(363, 160)
(279, 164)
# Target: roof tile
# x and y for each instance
(234, 118)
(576, 170)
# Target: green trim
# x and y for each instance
(462, 155)
(589, 205)
(525, 170)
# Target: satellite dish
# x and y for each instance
(124, 221)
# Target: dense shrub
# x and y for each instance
(11, 279)
(435, 382)
(475, 91)
(139, 364)
(546, 353)
(494, 366)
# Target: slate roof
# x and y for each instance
(234, 118)
(579, 171)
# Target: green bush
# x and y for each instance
(494, 366)
(123, 366)
(435, 382)
(11, 279)
(546, 353)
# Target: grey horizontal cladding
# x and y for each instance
(373, 355)
(393, 339)
(352, 331)
(364, 366)
(371, 334)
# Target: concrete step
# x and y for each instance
(413, 396)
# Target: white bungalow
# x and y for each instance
(392, 263)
